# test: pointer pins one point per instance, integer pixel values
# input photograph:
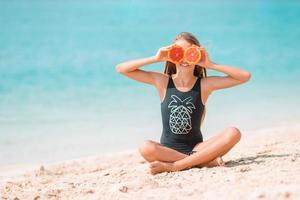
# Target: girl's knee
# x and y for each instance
(148, 148)
(233, 135)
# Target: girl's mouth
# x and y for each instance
(184, 64)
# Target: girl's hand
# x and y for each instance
(162, 53)
(205, 60)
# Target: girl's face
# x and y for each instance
(185, 44)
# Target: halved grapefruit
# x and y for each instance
(192, 54)
(175, 54)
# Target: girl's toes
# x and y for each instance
(220, 161)
(158, 167)
(216, 162)
(155, 167)
(153, 164)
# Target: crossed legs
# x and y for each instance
(208, 153)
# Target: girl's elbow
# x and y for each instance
(247, 76)
(119, 68)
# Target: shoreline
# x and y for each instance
(286, 126)
(265, 164)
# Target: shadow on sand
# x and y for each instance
(256, 159)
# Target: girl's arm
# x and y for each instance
(131, 68)
(235, 76)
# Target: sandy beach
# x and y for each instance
(263, 165)
(74, 109)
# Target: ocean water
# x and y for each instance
(61, 98)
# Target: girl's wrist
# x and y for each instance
(153, 59)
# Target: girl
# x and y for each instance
(184, 89)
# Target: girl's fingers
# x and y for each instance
(164, 50)
(203, 49)
(167, 47)
(205, 52)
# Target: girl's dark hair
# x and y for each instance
(170, 68)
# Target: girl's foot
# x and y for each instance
(216, 162)
(159, 167)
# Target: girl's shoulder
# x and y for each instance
(161, 79)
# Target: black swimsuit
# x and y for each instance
(181, 117)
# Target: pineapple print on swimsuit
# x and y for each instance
(181, 117)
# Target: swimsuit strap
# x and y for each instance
(170, 82)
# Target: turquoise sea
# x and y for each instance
(61, 98)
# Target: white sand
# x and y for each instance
(261, 166)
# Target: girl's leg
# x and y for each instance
(206, 151)
(230, 133)
(152, 151)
